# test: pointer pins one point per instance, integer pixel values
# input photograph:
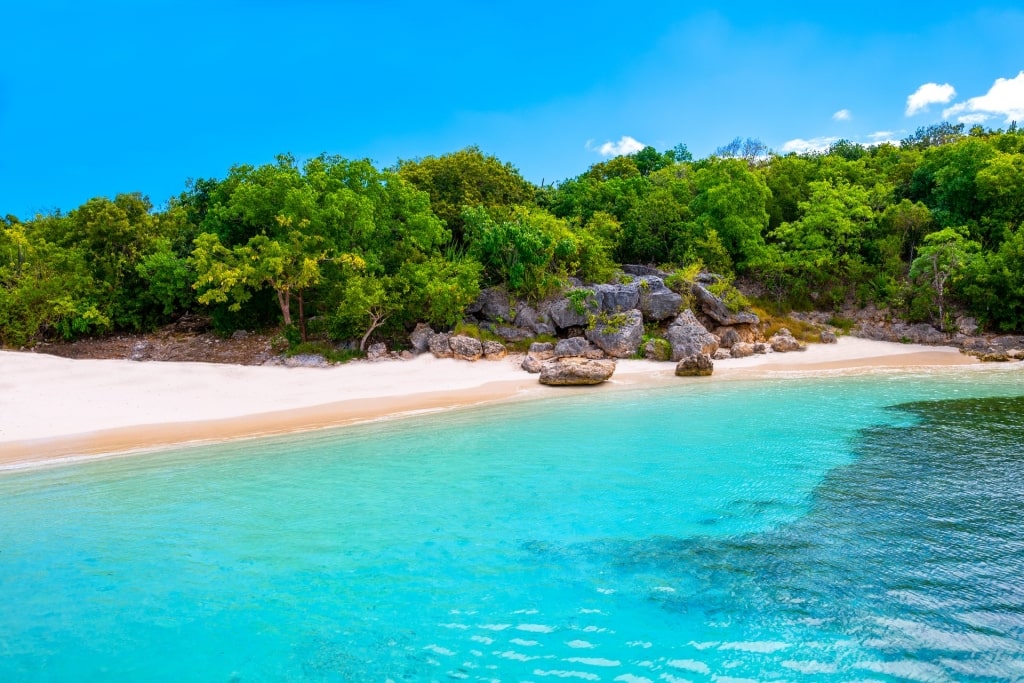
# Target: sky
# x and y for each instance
(98, 98)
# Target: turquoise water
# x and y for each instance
(833, 529)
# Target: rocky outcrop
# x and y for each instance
(618, 335)
(573, 346)
(494, 350)
(419, 338)
(377, 352)
(697, 365)
(657, 302)
(492, 304)
(728, 337)
(715, 308)
(565, 313)
(828, 337)
(466, 348)
(509, 333)
(688, 338)
(658, 349)
(439, 345)
(529, 318)
(784, 342)
(741, 350)
(575, 371)
(542, 350)
(618, 297)
(531, 364)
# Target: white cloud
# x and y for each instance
(801, 146)
(927, 94)
(842, 115)
(881, 136)
(625, 145)
(1005, 98)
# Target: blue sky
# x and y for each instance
(104, 97)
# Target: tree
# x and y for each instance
(940, 264)
(732, 200)
(466, 179)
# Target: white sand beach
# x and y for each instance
(53, 408)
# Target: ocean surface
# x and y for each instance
(843, 528)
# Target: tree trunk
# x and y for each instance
(302, 317)
(284, 301)
(375, 322)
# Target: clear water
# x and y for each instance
(778, 530)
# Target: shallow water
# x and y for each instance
(790, 529)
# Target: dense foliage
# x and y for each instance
(340, 248)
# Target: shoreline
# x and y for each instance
(57, 411)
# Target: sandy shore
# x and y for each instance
(53, 409)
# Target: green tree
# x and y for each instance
(940, 265)
(466, 179)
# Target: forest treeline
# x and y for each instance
(343, 249)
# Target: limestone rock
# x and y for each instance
(657, 349)
(494, 350)
(657, 302)
(466, 348)
(564, 314)
(741, 350)
(542, 350)
(618, 297)
(784, 342)
(689, 338)
(531, 365)
(377, 352)
(760, 348)
(575, 371)
(573, 346)
(716, 309)
(420, 338)
(527, 317)
(828, 337)
(697, 365)
(406, 354)
(618, 335)
(492, 304)
(722, 354)
(439, 345)
(728, 336)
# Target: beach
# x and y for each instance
(56, 410)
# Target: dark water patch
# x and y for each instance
(909, 564)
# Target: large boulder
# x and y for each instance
(618, 297)
(728, 336)
(619, 335)
(419, 338)
(741, 350)
(573, 371)
(784, 342)
(531, 365)
(439, 345)
(494, 350)
(657, 302)
(466, 348)
(743, 333)
(573, 346)
(689, 338)
(492, 304)
(716, 309)
(697, 365)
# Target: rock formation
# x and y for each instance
(575, 371)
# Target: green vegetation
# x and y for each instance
(927, 228)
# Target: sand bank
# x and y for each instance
(53, 408)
